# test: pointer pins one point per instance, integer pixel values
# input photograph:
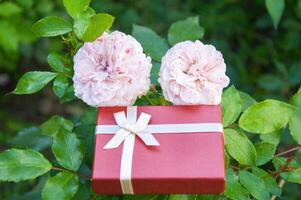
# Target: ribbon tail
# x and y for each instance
(117, 139)
(148, 139)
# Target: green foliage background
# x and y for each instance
(260, 41)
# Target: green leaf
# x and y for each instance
(280, 67)
(273, 138)
(85, 128)
(56, 63)
(8, 37)
(62, 186)
(68, 95)
(25, 36)
(270, 82)
(231, 106)
(294, 74)
(182, 197)
(275, 9)
(75, 7)
(254, 185)
(52, 126)
(265, 152)
(155, 73)
(8, 9)
(280, 162)
(33, 81)
(97, 25)
(26, 3)
(67, 150)
(295, 126)
(83, 193)
(139, 197)
(227, 159)
(81, 22)
(233, 188)
(294, 176)
(152, 43)
(240, 147)
(187, 29)
(18, 165)
(296, 99)
(31, 138)
(209, 197)
(269, 181)
(266, 116)
(51, 26)
(60, 85)
(247, 100)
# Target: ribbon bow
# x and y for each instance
(127, 128)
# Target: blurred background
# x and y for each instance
(262, 61)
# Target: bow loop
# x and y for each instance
(120, 119)
(126, 128)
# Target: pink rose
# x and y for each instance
(193, 73)
(111, 71)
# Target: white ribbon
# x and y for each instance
(126, 130)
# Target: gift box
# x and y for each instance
(159, 150)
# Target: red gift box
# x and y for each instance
(185, 162)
